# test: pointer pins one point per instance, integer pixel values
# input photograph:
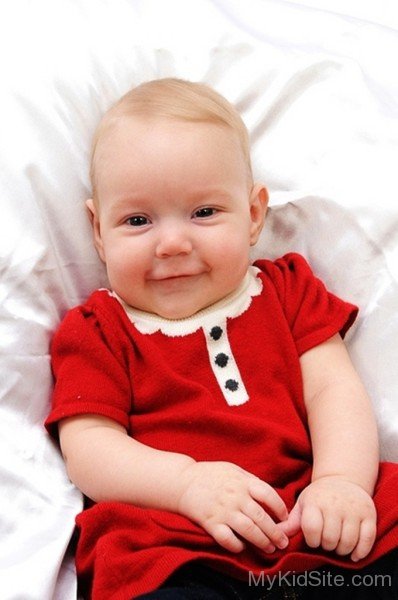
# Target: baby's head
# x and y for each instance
(177, 100)
(174, 207)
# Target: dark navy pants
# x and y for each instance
(378, 581)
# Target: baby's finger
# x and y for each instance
(349, 537)
(331, 531)
(265, 524)
(224, 536)
(367, 536)
(264, 493)
(247, 529)
(293, 523)
(312, 525)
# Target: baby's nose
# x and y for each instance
(173, 242)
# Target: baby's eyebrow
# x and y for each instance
(211, 193)
(128, 202)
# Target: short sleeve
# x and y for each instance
(313, 313)
(89, 370)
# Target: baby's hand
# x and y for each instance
(335, 514)
(227, 502)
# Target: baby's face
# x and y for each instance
(175, 216)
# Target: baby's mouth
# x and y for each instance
(174, 276)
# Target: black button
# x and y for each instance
(231, 385)
(216, 333)
(221, 359)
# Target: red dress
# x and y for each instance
(223, 385)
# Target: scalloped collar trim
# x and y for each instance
(230, 307)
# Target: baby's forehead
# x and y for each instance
(120, 134)
(118, 129)
(113, 129)
(108, 134)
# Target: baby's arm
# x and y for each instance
(108, 465)
(336, 510)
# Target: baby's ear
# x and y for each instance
(91, 209)
(94, 218)
(258, 209)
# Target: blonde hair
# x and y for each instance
(178, 99)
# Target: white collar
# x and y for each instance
(230, 307)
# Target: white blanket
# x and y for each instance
(317, 86)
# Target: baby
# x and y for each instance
(208, 407)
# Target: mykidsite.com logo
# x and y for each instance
(318, 579)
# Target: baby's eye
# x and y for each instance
(137, 221)
(206, 211)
